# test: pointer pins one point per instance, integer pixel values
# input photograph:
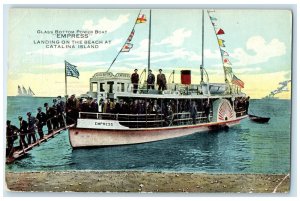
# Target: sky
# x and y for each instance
(258, 43)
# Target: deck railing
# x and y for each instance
(149, 120)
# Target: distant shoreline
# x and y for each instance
(139, 181)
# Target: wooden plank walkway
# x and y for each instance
(19, 153)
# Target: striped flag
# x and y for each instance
(237, 81)
(71, 70)
(127, 47)
(228, 69)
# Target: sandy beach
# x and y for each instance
(132, 181)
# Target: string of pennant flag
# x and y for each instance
(141, 18)
(227, 65)
(127, 46)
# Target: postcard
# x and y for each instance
(149, 100)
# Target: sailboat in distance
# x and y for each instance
(25, 93)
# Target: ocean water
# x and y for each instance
(246, 148)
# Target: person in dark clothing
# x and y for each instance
(207, 110)
(161, 81)
(32, 121)
(193, 112)
(94, 106)
(41, 116)
(150, 80)
(49, 116)
(23, 131)
(71, 110)
(135, 80)
(247, 104)
(11, 136)
(60, 107)
(55, 117)
(117, 109)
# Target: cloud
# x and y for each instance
(106, 24)
(262, 50)
(177, 38)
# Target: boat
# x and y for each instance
(151, 115)
(259, 119)
(23, 92)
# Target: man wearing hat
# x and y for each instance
(135, 80)
(41, 116)
(161, 81)
(32, 122)
(23, 131)
(150, 80)
(49, 116)
(11, 136)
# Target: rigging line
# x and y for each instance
(124, 43)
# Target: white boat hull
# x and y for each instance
(86, 137)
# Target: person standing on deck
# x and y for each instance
(150, 80)
(207, 110)
(135, 80)
(23, 131)
(41, 116)
(247, 104)
(11, 136)
(71, 110)
(161, 81)
(193, 111)
(32, 122)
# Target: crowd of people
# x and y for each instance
(241, 104)
(160, 80)
(53, 118)
(61, 113)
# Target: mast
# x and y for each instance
(149, 43)
(202, 63)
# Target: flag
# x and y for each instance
(141, 19)
(226, 61)
(237, 81)
(71, 70)
(220, 31)
(221, 42)
(130, 36)
(224, 53)
(212, 18)
(228, 69)
(127, 47)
